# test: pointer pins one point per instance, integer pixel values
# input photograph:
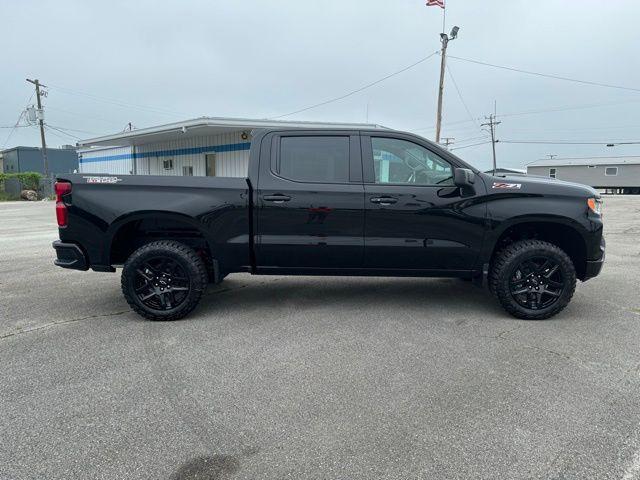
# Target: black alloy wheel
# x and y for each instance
(164, 280)
(161, 283)
(537, 283)
(532, 279)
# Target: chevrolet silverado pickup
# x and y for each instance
(334, 202)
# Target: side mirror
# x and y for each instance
(463, 177)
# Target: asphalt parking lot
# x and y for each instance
(332, 378)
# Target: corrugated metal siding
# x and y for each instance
(628, 175)
(121, 165)
(29, 159)
(228, 164)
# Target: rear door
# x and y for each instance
(310, 201)
(415, 217)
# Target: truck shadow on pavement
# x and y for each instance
(350, 293)
(207, 468)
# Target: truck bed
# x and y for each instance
(101, 206)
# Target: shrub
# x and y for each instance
(28, 180)
(4, 196)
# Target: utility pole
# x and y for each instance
(37, 83)
(446, 141)
(444, 39)
(492, 123)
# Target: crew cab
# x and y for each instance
(333, 202)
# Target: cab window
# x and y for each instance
(401, 162)
(318, 159)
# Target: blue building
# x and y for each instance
(29, 159)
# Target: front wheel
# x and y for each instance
(164, 280)
(533, 279)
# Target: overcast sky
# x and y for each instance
(151, 62)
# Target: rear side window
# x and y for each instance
(321, 159)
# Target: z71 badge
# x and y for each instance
(507, 185)
(102, 179)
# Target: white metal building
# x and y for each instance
(204, 147)
(614, 174)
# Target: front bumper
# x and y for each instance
(70, 255)
(594, 267)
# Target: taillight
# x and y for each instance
(61, 188)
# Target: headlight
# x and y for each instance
(595, 205)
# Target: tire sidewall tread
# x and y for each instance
(189, 259)
(513, 254)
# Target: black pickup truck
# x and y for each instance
(334, 202)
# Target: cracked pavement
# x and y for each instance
(333, 378)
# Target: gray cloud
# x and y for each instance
(261, 59)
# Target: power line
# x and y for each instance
(353, 92)
(17, 124)
(472, 139)
(82, 115)
(119, 103)
(570, 142)
(472, 145)
(557, 77)
(62, 131)
(6, 141)
(73, 130)
(464, 104)
(566, 108)
(50, 130)
(432, 127)
(532, 112)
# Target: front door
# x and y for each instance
(310, 202)
(415, 217)
(210, 164)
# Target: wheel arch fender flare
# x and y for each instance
(494, 235)
(116, 226)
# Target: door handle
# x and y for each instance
(383, 200)
(278, 198)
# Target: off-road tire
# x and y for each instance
(185, 257)
(510, 258)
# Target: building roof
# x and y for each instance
(207, 126)
(22, 147)
(581, 161)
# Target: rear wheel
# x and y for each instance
(533, 279)
(164, 280)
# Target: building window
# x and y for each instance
(167, 164)
(552, 173)
(611, 171)
(187, 171)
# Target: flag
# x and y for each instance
(436, 3)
